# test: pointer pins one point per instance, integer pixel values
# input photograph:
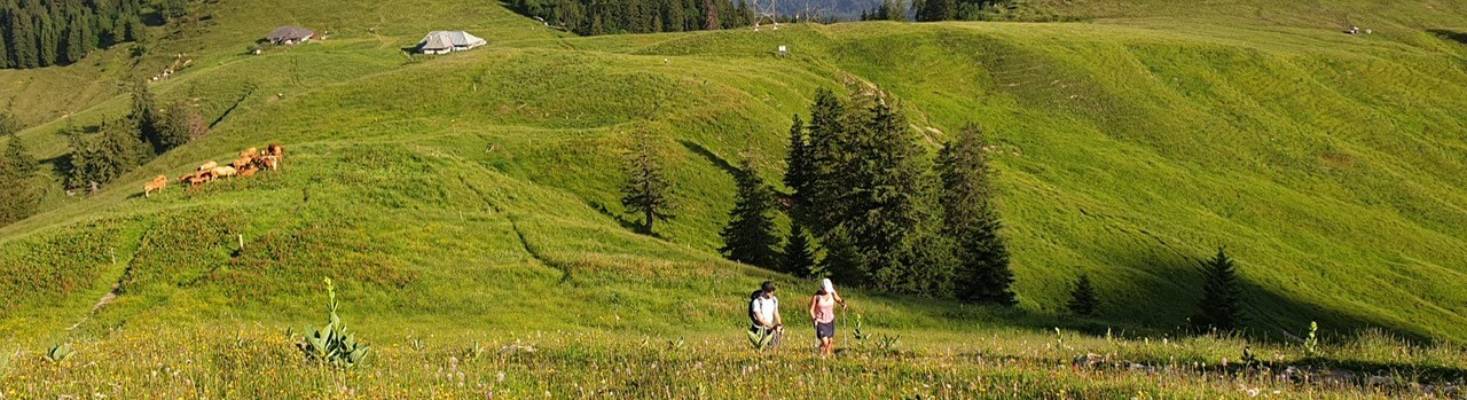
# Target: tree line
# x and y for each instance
(598, 17)
(966, 10)
(121, 145)
(40, 33)
(866, 196)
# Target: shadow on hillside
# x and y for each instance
(712, 157)
(620, 220)
(1459, 37)
(1165, 276)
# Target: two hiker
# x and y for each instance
(764, 313)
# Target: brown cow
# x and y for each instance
(196, 179)
(155, 185)
(242, 162)
(249, 153)
(274, 156)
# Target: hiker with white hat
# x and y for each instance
(822, 314)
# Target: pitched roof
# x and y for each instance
(441, 40)
(289, 32)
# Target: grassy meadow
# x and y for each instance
(467, 206)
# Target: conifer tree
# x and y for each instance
(843, 259)
(970, 219)
(749, 237)
(1219, 308)
(8, 124)
(78, 160)
(881, 190)
(1083, 299)
(797, 174)
(17, 192)
(799, 255)
(710, 16)
(146, 119)
(827, 152)
(646, 190)
(181, 124)
(118, 150)
(4, 42)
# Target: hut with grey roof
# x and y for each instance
(289, 35)
(444, 42)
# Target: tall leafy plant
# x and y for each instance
(333, 344)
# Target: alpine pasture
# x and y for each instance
(466, 206)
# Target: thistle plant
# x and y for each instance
(333, 344)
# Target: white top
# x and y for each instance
(766, 308)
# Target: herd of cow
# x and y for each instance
(249, 162)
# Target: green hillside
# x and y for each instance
(477, 192)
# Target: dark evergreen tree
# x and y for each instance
(881, 189)
(1219, 308)
(1083, 299)
(797, 175)
(799, 255)
(843, 259)
(937, 10)
(710, 16)
(146, 119)
(18, 195)
(8, 124)
(646, 191)
(78, 161)
(118, 150)
(41, 33)
(181, 124)
(173, 10)
(749, 237)
(827, 151)
(595, 17)
(969, 217)
(4, 42)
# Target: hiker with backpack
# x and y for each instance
(764, 313)
(822, 314)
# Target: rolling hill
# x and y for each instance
(477, 191)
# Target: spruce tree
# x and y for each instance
(710, 16)
(1083, 299)
(1219, 308)
(8, 124)
(797, 173)
(146, 119)
(4, 39)
(843, 259)
(180, 124)
(78, 161)
(799, 255)
(827, 152)
(881, 189)
(983, 275)
(17, 192)
(646, 191)
(749, 237)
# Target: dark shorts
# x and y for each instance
(823, 331)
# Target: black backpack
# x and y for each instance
(754, 317)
